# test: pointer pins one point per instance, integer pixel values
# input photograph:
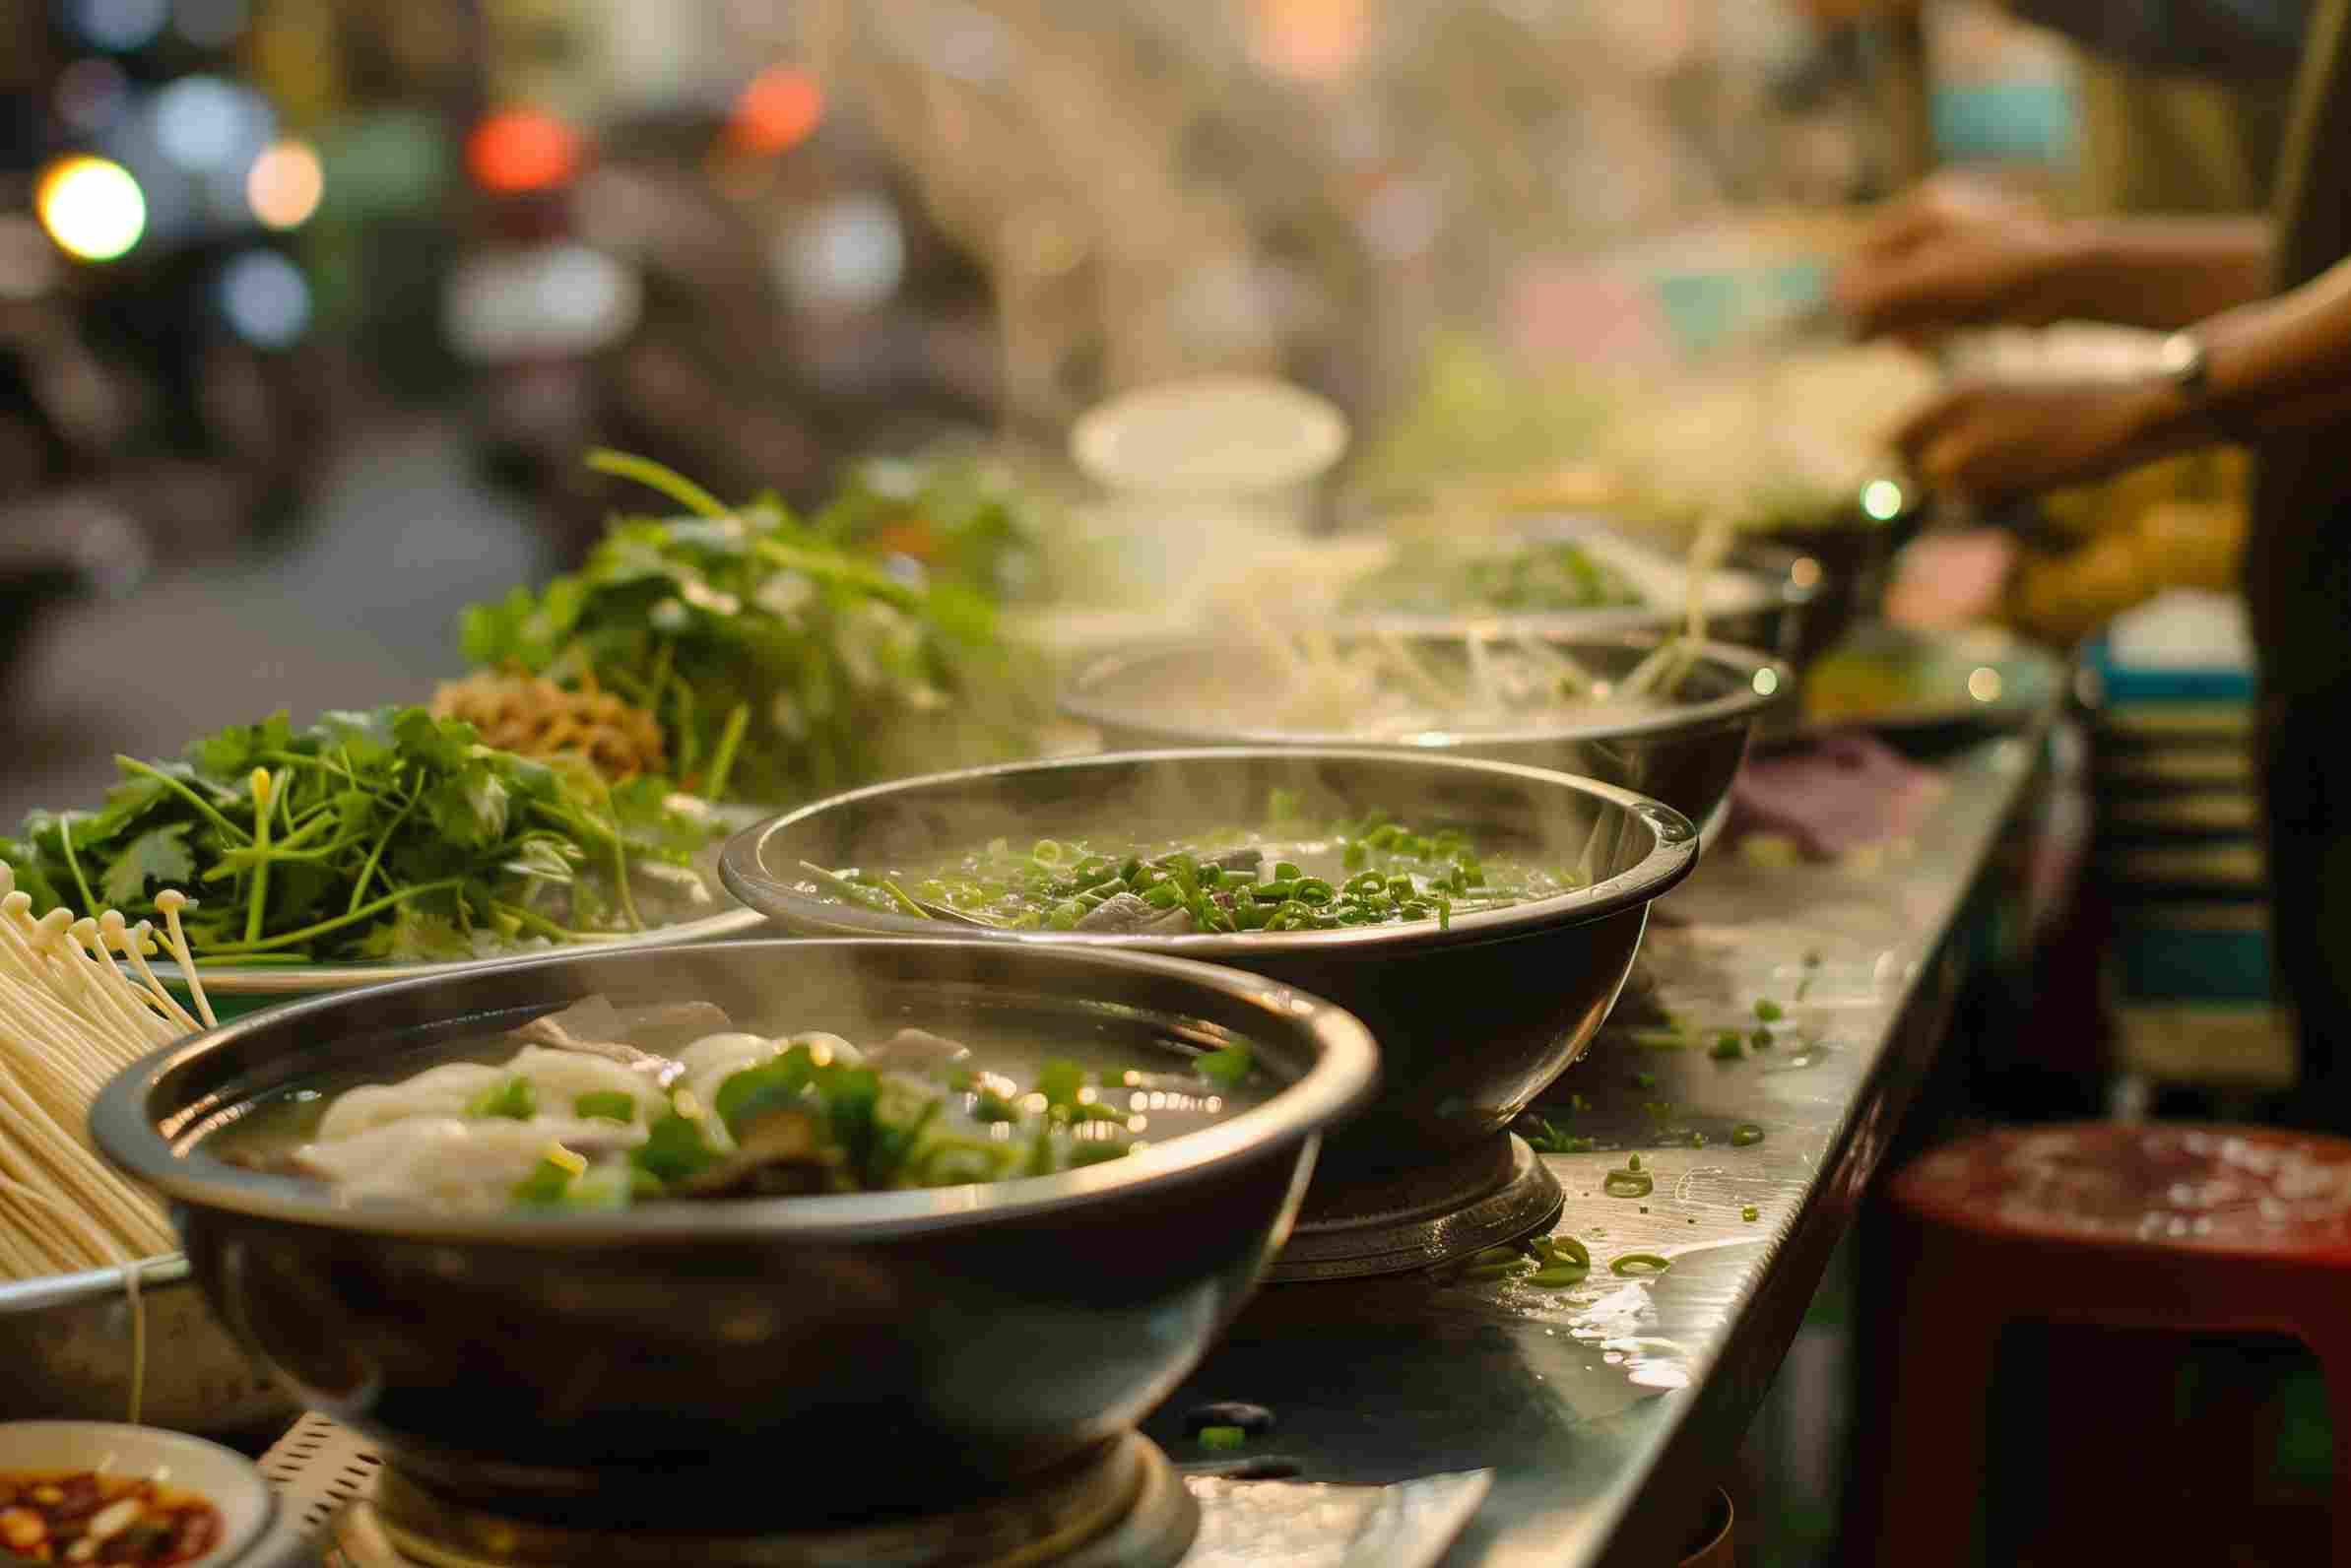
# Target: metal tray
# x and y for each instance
(65, 1353)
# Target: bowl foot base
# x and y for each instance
(1123, 1507)
(1494, 1193)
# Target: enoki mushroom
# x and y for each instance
(79, 1003)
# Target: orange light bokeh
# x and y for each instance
(512, 151)
(775, 111)
(285, 184)
(1310, 41)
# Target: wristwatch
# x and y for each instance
(2182, 361)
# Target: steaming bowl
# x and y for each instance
(1685, 756)
(756, 1356)
(1472, 1019)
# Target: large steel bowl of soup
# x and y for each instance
(860, 1307)
(1554, 700)
(1510, 903)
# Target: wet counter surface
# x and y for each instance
(1607, 1410)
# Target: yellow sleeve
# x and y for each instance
(2060, 598)
(2215, 475)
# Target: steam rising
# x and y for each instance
(1277, 668)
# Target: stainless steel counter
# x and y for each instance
(1609, 1408)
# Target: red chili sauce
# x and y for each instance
(108, 1521)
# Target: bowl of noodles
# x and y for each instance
(1662, 716)
(1567, 573)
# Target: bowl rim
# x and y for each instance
(1763, 588)
(1745, 701)
(304, 980)
(1340, 1080)
(1673, 852)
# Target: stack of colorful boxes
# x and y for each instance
(2178, 857)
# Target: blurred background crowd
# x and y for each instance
(759, 240)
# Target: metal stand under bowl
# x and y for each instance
(1496, 1193)
(1121, 1507)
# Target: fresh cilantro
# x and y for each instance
(387, 834)
(155, 860)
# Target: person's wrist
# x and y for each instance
(2162, 416)
(2078, 267)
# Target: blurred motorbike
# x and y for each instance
(153, 323)
(686, 290)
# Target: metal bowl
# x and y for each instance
(1846, 558)
(1474, 1020)
(65, 1354)
(1756, 599)
(65, 1340)
(1169, 694)
(762, 1364)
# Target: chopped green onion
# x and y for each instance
(610, 1104)
(674, 1148)
(1628, 1184)
(1633, 1263)
(1060, 1081)
(546, 1185)
(1744, 1135)
(1559, 1248)
(513, 1099)
(1227, 1067)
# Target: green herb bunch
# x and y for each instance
(951, 510)
(386, 834)
(781, 664)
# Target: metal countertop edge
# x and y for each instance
(1651, 1527)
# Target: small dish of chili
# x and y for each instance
(108, 1496)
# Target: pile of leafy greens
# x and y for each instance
(386, 834)
(781, 661)
(953, 513)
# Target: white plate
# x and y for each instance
(226, 1479)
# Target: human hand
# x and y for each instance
(1988, 440)
(1951, 579)
(1957, 251)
